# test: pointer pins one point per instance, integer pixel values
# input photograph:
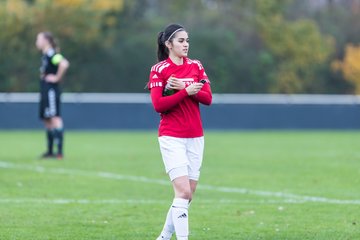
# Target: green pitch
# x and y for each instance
(111, 185)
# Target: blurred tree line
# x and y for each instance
(246, 46)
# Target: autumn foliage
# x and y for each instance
(257, 46)
(350, 65)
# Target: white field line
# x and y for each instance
(134, 201)
(286, 196)
(80, 201)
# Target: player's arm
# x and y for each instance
(204, 96)
(163, 104)
(63, 65)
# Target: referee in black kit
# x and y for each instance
(52, 70)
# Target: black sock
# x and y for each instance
(50, 140)
(59, 135)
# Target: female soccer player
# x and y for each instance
(177, 85)
(52, 70)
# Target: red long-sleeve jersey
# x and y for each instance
(179, 113)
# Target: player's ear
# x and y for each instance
(168, 44)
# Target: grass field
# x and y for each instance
(111, 185)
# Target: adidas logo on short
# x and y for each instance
(183, 215)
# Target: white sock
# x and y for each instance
(168, 228)
(180, 218)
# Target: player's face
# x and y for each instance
(180, 44)
(40, 41)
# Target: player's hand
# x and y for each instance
(193, 89)
(51, 78)
(176, 83)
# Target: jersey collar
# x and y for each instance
(50, 52)
(185, 61)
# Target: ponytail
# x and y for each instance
(163, 51)
(167, 35)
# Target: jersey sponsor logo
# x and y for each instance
(187, 81)
(156, 84)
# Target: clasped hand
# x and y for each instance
(178, 84)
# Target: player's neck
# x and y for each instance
(177, 60)
(46, 49)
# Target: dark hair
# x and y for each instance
(51, 39)
(167, 35)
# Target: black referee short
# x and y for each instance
(49, 105)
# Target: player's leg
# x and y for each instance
(185, 186)
(183, 195)
(56, 120)
(168, 228)
(57, 124)
(177, 217)
(44, 115)
(193, 185)
(195, 152)
(174, 156)
(50, 139)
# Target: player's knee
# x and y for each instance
(184, 191)
(185, 194)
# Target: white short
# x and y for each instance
(182, 156)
